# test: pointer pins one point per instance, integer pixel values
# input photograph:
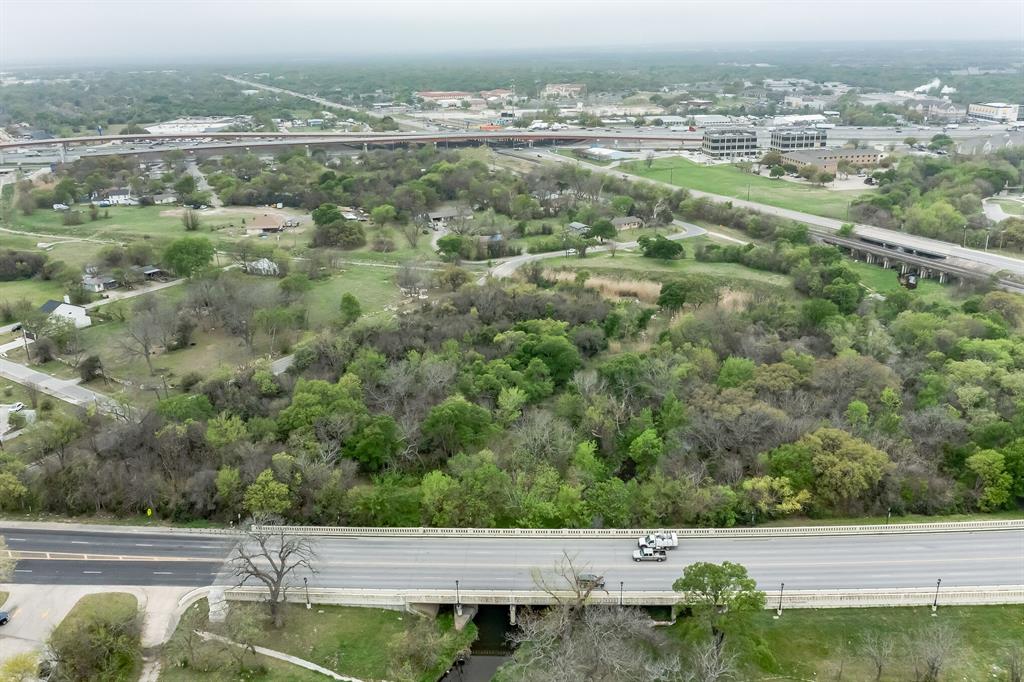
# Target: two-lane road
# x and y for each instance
(129, 557)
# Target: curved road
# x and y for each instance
(110, 555)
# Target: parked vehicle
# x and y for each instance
(17, 407)
(4, 618)
(590, 581)
(649, 554)
(659, 541)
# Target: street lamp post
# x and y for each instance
(935, 602)
(888, 515)
(305, 584)
(458, 599)
(620, 593)
(782, 588)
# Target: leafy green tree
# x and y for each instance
(475, 495)
(456, 424)
(383, 214)
(375, 444)
(993, 482)
(735, 372)
(646, 449)
(816, 311)
(267, 495)
(229, 489)
(450, 247)
(342, 234)
(777, 171)
(715, 590)
(452, 277)
(857, 415)
(188, 255)
(314, 400)
(601, 230)
(661, 247)
(611, 503)
(349, 310)
(769, 497)
(325, 214)
(225, 430)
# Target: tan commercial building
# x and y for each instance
(570, 90)
(828, 159)
(994, 111)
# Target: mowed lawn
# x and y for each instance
(730, 181)
(808, 644)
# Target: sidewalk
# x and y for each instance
(308, 665)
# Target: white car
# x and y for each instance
(17, 407)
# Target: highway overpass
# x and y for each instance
(490, 562)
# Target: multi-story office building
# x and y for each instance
(730, 142)
(994, 111)
(790, 139)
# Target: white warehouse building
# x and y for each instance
(994, 111)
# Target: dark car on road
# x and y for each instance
(4, 617)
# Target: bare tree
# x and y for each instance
(711, 663)
(146, 330)
(878, 648)
(606, 644)
(190, 220)
(930, 648)
(1014, 656)
(411, 230)
(269, 555)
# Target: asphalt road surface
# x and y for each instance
(804, 563)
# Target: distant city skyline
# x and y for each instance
(155, 31)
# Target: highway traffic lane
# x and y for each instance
(848, 562)
(135, 544)
(62, 572)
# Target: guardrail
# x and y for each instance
(769, 531)
(792, 599)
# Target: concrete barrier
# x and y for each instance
(767, 531)
(791, 599)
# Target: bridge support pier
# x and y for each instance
(885, 263)
(468, 614)
(903, 268)
(218, 605)
(942, 277)
(869, 258)
(512, 614)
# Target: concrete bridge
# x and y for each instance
(928, 264)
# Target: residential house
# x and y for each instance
(76, 314)
(440, 218)
(99, 283)
(577, 227)
(165, 198)
(628, 222)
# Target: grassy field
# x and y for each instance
(809, 644)
(632, 264)
(108, 607)
(1010, 206)
(353, 641)
(733, 182)
(373, 285)
(883, 281)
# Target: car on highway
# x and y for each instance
(649, 554)
(5, 618)
(659, 541)
(590, 581)
(17, 407)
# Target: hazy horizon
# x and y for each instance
(116, 32)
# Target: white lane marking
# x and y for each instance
(17, 540)
(142, 544)
(207, 547)
(79, 542)
(93, 572)
(22, 570)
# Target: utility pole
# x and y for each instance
(778, 611)
(935, 603)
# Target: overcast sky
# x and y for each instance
(141, 31)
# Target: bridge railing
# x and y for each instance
(792, 599)
(597, 533)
